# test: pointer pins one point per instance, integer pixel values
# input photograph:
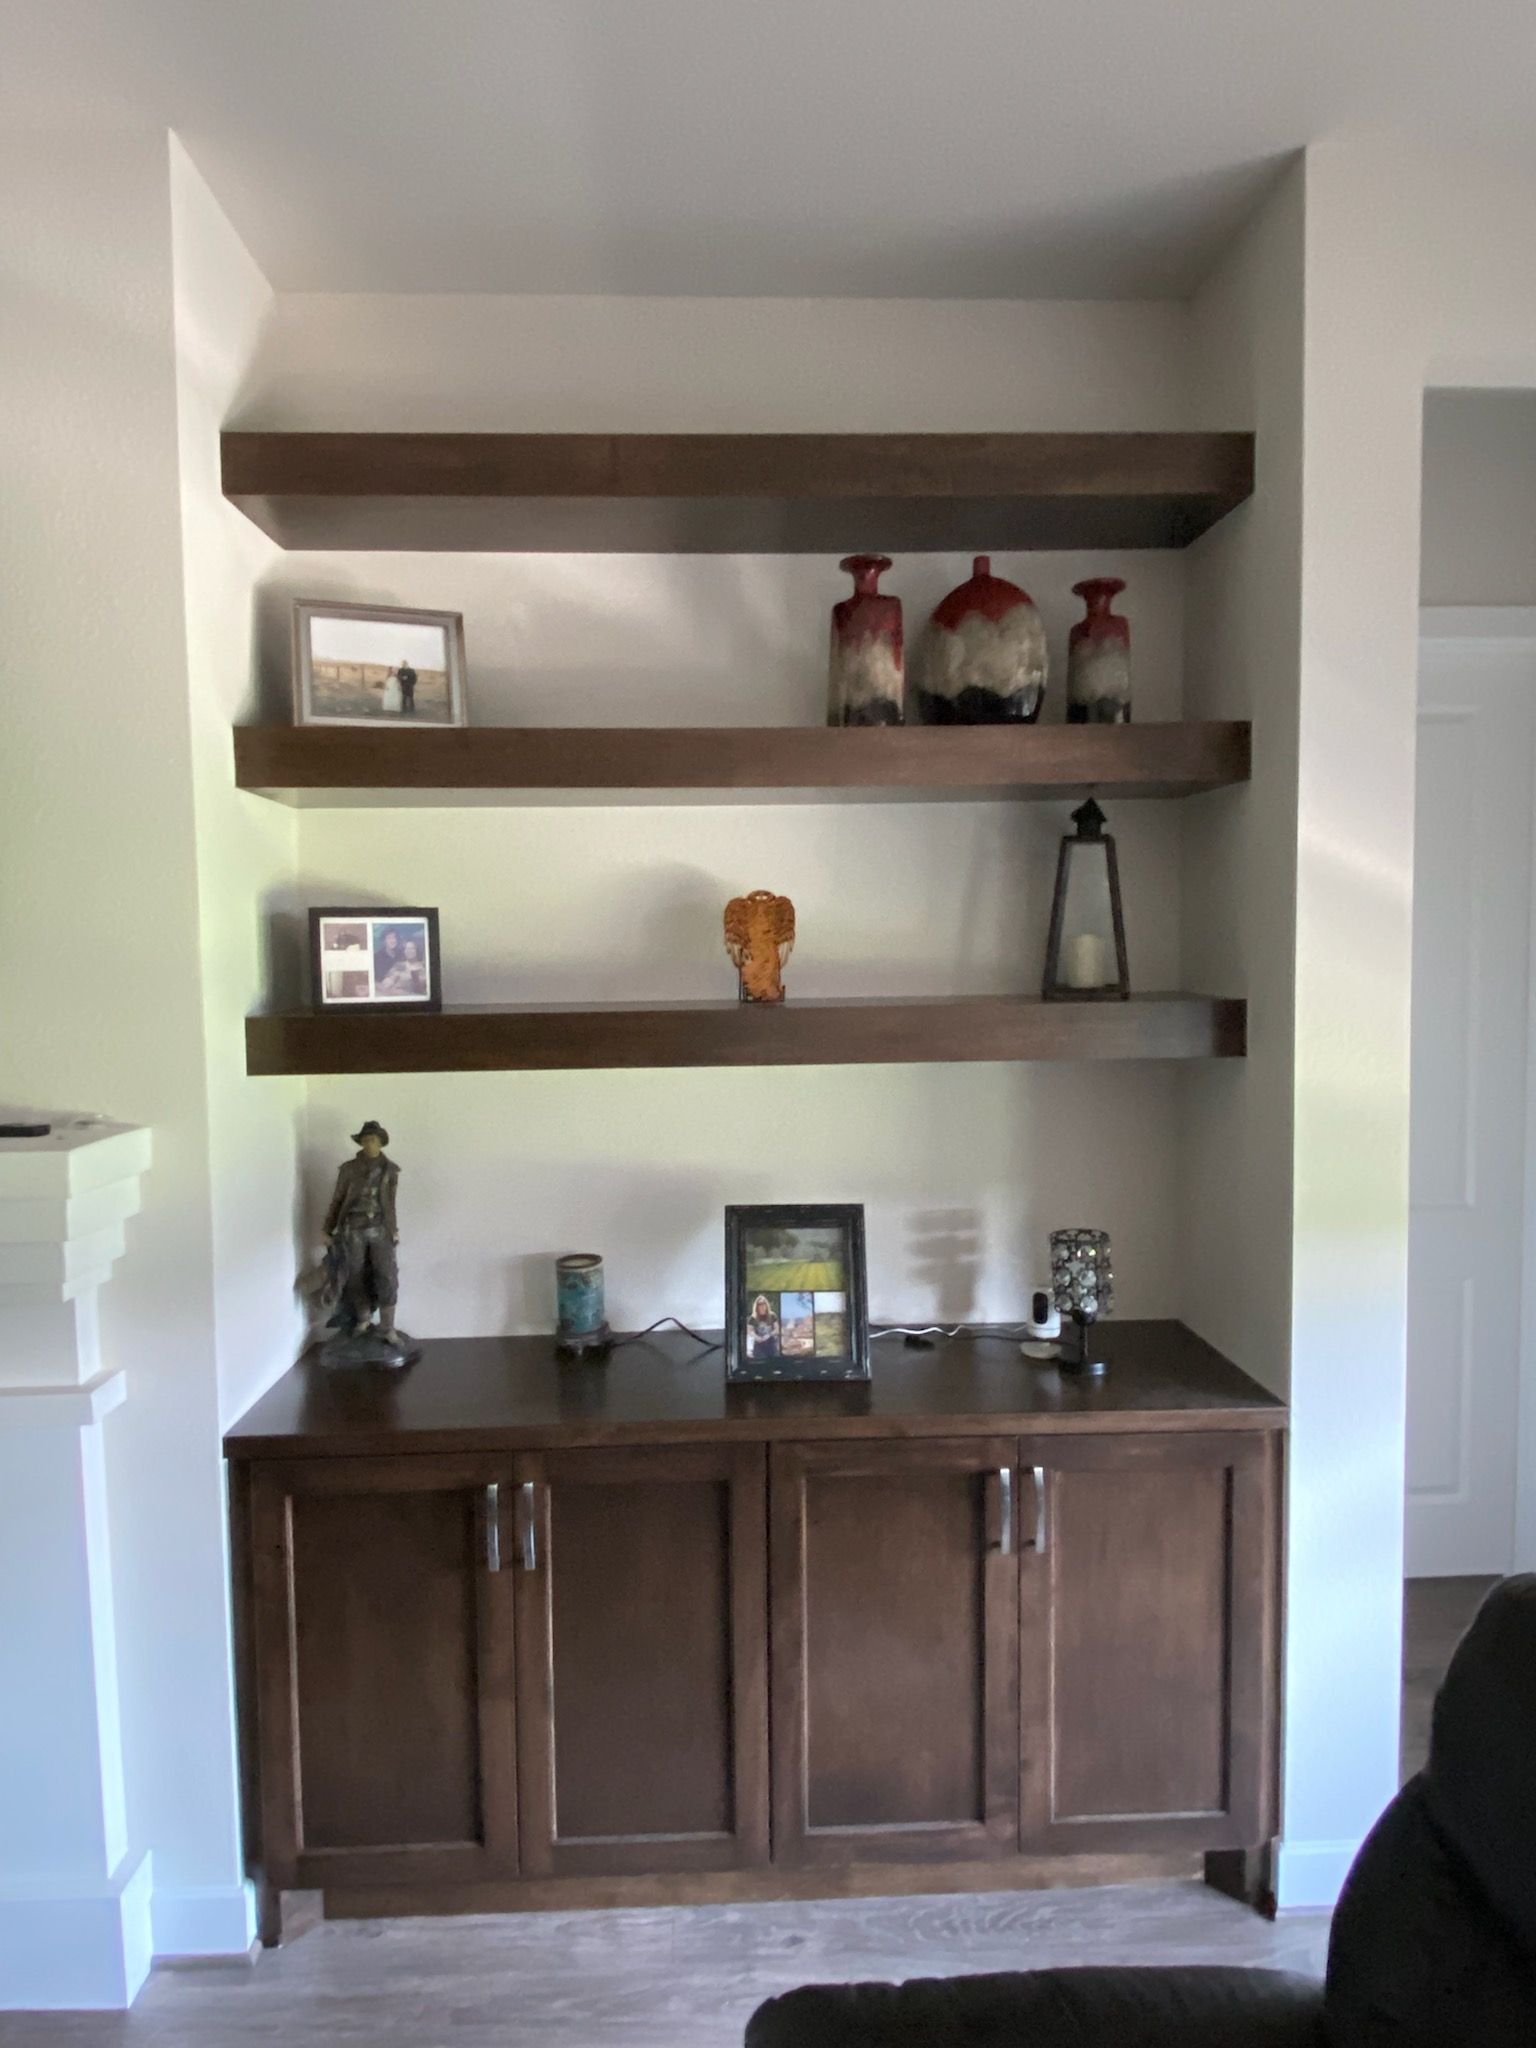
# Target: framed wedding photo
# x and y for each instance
(796, 1300)
(370, 664)
(375, 959)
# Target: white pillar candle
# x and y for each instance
(1085, 956)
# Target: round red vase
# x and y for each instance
(985, 658)
(865, 683)
(1099, 657)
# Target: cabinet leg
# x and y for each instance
(269, 1915)
(283, 1918)
(1246, 1875)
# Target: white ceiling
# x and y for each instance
(989, 148)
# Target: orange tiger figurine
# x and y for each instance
(760, 936)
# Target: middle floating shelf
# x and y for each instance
(329, 767)
(825, 1031)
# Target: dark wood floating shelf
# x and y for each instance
(320, 766)
(736, 493)
(808, 1032)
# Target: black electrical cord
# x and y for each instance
(639, 1336)
(1009, 1332)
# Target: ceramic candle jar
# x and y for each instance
(581, 1314)
(865, 673)
(985, 658)
(1099, 657)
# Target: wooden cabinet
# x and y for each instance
(642, 1659)
(1148, 1584)
(1058, 1644)
(513, 1641)
(895, 1652)
(433, 1633)
(383, 1673)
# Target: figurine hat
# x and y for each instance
(371, 1130)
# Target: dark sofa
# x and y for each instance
(1433, 1942)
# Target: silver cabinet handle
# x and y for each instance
(529, 1518)
(493, 1527)
(1005, 1497)
(1042, 1515)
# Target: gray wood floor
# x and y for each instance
(1435, 1612)
(673, 1977)
(687, 1977)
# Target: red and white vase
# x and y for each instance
(1099, 657)
(865, 674)
(985, 658)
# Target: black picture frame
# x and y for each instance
(763, 1358)
(363, 995)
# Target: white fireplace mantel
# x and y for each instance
(64, 1201)
(74, 1897)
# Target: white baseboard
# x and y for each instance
(70, 1947)
(215, 1920)
(1312, 1874)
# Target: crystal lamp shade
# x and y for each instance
(1082, 1278)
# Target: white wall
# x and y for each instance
(571, 365)
(1411, 281)
(1478, 520)
(245, 848)
(1242, 641)
(100, 928)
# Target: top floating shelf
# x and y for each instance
(735, 493)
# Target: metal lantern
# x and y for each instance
(1085, 953)
(1083, 1289)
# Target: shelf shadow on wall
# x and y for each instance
(944, 1252)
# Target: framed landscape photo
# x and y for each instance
(371, 664)
(375, 959)
(796, 1301)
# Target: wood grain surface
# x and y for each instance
(735, 493)
(1147, 1602)
(381, 1685)
(894, 1630)
(653, 1977)
(516, 1393)
(830, 1031)
(309, 764)
(642, 1680)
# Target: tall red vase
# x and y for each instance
(1099, 657)
(865, 679)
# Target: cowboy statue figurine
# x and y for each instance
(362, 1273)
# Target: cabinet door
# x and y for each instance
(642, 1659)
(1148, 1596)
(895, 1651)
(383, 1647)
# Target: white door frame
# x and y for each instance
(1513, 625)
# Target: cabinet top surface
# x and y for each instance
(507, 1393)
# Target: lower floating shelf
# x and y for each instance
(829, 1031)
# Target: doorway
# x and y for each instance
(1471, 1312)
